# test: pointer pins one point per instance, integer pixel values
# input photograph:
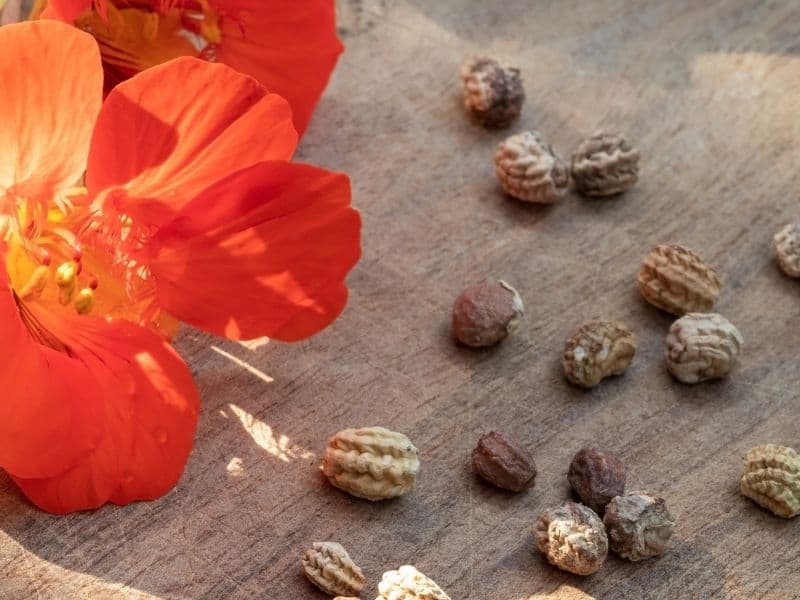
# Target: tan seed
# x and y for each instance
(787, 249)
(597, 350)
(605, 164)
(638, 525)
(330, 568)
(702, 346)
(371, 462)
(493, 92)
(529, 170)
(771, 479)
(675, 279)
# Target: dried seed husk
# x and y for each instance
(573, 538)
(638, 525)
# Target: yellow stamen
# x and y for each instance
(84, 301)
(66, 273)
(66, 294)
(133, 39)
(36, 284)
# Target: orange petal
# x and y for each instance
(173, 130)
(91, 482)
(150, 409)
(50, 93)
(66, 10)
(289, 46)
(165, 408)
(50, 409)
(264, 252)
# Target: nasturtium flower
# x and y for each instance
(173, 199)
(290, 46)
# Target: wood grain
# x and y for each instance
(710, 94)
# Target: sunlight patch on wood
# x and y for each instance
(263, 436)
(245, 365)
(235, 467)
(254, 344)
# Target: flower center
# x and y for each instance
(133, 38)
(44, 259)
(58, 256)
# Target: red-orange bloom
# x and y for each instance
(189, 210)
(290, 46)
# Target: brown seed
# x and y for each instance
(529, 170)
(572, 537)
(596, 477)
(597, 350)
(675, 279)
(605, 164)
(493, 93)
(330, 568)
(787, 249)
(638, 525)
(504, 462)
(771, 479)
(486, 313)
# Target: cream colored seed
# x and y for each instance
(702, 346)
(771, 479)
(328, 566)
(787, 249)
(407, 583)
(371, 462)
(529, 170)
(675, 279)
(572, 537)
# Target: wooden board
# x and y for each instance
(710, 93)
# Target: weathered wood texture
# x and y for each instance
(710, 93)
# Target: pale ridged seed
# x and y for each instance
(677, 280)
(328, 566)
(771, 479)
(407, 583)
(371, 462)
(529, 170)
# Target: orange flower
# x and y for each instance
(190, 210)
(290, 46)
